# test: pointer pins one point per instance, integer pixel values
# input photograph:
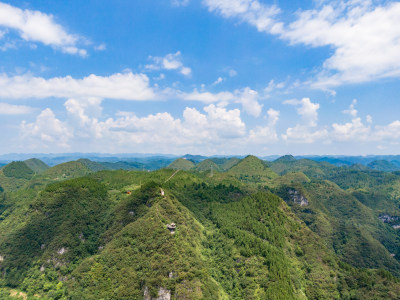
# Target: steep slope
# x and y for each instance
(353, 230)
(36, 165)
(181, 164)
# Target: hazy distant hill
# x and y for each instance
(383, 165)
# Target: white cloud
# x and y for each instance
(266, 134)
(273, 86)
(304, 132)
(172, 61)
(160, 132)
(364, 37)
(47, 130)
(306, 109)
(390, 132)
(251, 11)
(9, 109)
(35, 26)
(247, 97)
(218, 81)
(352, 131)
(119, 86)
(126, 86)
(352, 111)
(304, 135)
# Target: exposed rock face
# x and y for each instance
(385, 218)
(391, 220)
(61, 251)
(297, 197)
(163, 294)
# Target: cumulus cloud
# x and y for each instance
(306, 109)
(266, 134)
(161, 132)
(119, 86)
(247, 97)
(9, 109)
(172, 61)
(35, 26)
(305, 131)
(125, 86)
(47, 130)
(352, 111)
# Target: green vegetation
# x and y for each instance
(77, 231)
(18, 169)
(181, 164)
(207, 165)
(36, 165)
(383, 165)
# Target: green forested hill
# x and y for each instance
(243, 234)
(18, 169)
(252, 169)
(181, 164)
(207, 165)
(36, 165)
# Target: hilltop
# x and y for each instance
(181, 164)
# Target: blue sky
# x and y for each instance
(203, 77)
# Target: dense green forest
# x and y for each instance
(211, 229)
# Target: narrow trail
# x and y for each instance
(176, 172)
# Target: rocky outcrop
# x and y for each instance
(297, 198)
(163, 294)
(385, 218)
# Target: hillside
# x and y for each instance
(247, 233)
(252, 169)
(66, 170)
(181, 164)
(383, 165)
(36, 165)
(228, 243)
(18, 169)
(230, 163)
(207, 165)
